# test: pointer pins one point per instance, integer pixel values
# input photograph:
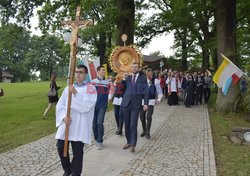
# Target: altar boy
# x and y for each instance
(80, 120)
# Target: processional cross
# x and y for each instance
(75, 27)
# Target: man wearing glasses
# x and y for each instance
(82, 113)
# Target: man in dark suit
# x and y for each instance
(136, 90)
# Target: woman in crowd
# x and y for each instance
(52, 95)
(190, 88)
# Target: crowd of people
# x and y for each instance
(134, 96)
(192, 88)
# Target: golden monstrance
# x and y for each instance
(122, 57)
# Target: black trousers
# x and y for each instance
(118, 110)
(199, 96)
(189, 98)
(131, 115)
(146, 124)
(207, 92)
(173, 98)
(74, 167)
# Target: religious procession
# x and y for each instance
(124, 88)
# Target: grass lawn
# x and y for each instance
(21, 110)
(231, 159)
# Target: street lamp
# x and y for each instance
(161, 64)
(67, 37)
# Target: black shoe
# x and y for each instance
(143, 134)
(148, 136)
(75, 174)
(66, 174)
(119, 133)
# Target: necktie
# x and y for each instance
(133, 80)
(149, 82)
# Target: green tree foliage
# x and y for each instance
(243, 34)
(173, 63)
(191, 22)
(21, 10)
(98, 38)
(48, 54)
(14, 44)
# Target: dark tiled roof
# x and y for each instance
(151, 58)
(7, 74)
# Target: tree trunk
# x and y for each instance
(226, 44)
(204, 25)
(109, 39)
(184, 51)
(205, 58)
(214, 58)
(0, 74)
(101, 47)
(126, 20)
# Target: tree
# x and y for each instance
(126, 20)
(14, 44)
(102, 35)
(98, 39)
(191, 22)
(170, 16)
(242, 33)
(21, 10)
(226, 44)
(47, 54)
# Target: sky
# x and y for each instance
(160, 43)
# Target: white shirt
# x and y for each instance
(136, 76)
(172, 82)
(158, 90)
(82, 114)
(116, 101)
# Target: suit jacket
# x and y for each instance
(135, 93)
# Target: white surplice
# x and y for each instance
(82, 114)
(175, 84)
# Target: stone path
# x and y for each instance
(180, 144)
(40, 157)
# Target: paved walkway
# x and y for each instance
(180, 144)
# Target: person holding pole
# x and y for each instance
(136, 90)
(80, 121)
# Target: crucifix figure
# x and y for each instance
(75, 26)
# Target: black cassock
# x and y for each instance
(190, 93)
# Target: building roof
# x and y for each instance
(7, 74)
(148, 58)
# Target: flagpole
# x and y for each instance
(246, 77)
(224, 57)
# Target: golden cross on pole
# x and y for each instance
(75, 26)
